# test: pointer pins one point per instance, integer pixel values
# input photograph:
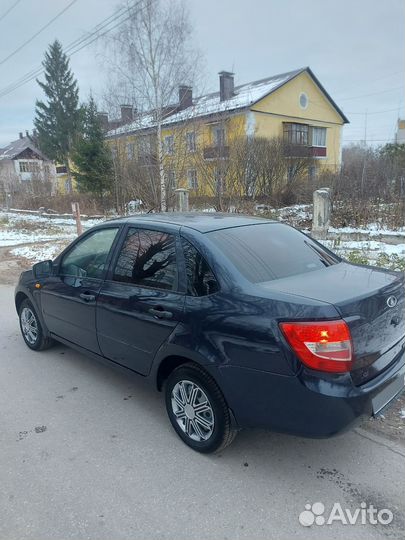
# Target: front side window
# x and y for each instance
(148, 259)
(89, 256)
(271, 251)
(200, 278)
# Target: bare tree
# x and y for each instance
(150, 56)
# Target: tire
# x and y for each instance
(31, 328)
(197, 409)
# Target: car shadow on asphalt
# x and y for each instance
(143, 396)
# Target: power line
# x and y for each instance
(39, 32)
(372, 94)
(37, 71)
(374, 80)
(72, 48)
(374, 112)
(369, 140)
(9, 9)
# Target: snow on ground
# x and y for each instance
(14, 238)
(48, 236)
(16, 228)
(371, 247)
(37, 253)
(373, 229)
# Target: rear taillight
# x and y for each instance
(324, 346)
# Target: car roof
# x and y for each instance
(199, 221)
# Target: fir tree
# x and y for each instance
(58, 119)
(92, 156)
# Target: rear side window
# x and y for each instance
(200, 278)
(271, 251)
(147, 258)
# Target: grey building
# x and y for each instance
(24, 168)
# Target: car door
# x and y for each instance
(140, 305)
(68, 298)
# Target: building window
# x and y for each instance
(29, 166)
(318, 135)
(296, 133)
(192, 179)
(219, 182)
(61, 169)
(144, 146)
(168, 145)
(171, 180)
(218, 135)
(190, 141)
(23, 166)
(303, 100)
(130, 151)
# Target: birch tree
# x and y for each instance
(149, 57)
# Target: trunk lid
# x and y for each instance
(370, 300)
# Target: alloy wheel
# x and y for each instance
(29, 325)
(193, 411)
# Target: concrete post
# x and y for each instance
(181, 200)
(321, 213)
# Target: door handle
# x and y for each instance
(87, 297)
(160, 313)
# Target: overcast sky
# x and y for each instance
(356, 49)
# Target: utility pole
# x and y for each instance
(365, 127)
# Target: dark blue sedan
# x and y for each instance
(243, 322)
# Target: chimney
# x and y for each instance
(103, 119)
(185, 97)
(127, 113)
(27, 133)
(20, 135)
(226, 85)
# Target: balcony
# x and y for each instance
(147, 159)
(216, 152)
(305, 151)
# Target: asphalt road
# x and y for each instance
(86, 452)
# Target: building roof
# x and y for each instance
(199, 221)
(16, 147)
(245, 95)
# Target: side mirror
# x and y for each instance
(42, 269)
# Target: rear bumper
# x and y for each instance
(310, 404)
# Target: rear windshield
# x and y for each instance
(271, 251)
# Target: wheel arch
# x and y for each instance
(169, 364)
(19, 299)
